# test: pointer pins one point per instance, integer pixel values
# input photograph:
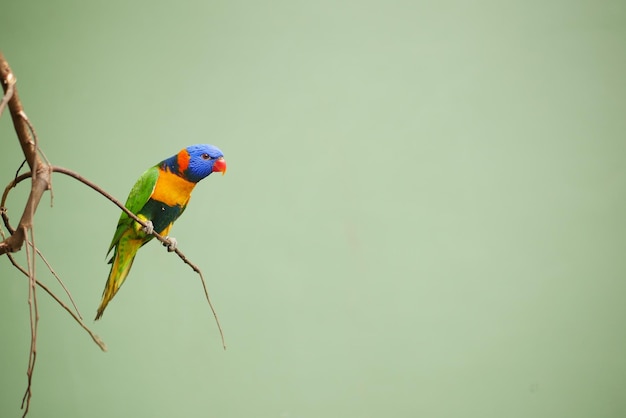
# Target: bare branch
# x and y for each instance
(206, 292)
(7, 189)
(40, 182)
(15, 107)
(41, 178)
(93, 336)
(56, 276)
(7, 224)
(34, 320)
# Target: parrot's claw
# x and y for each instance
(149, 228)
(172, 244)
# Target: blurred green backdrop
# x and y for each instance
(423, 213)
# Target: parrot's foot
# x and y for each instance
(172, 244)
(149, 228)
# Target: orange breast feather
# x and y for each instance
(172, 189)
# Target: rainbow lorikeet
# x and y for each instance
(159, 197)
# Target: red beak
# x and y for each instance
(220, 166)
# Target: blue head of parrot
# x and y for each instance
(197, 161)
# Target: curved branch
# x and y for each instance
(164, 240)
(104, 193)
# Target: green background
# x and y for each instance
(423, 214)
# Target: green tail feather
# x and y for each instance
(122, 261)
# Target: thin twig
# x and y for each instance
(10, 82)
(7, 189)
(29, 213)
(206, 292)
(34, 320)
(32, 288)
(5, 218)
(93, 336)
(56, 276)
(17, 172)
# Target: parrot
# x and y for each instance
(158, 197)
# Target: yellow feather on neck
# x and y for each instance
(172, 189)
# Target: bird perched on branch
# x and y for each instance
(159, 197)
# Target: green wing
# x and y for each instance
(137, 198)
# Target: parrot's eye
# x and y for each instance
(206, 156)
